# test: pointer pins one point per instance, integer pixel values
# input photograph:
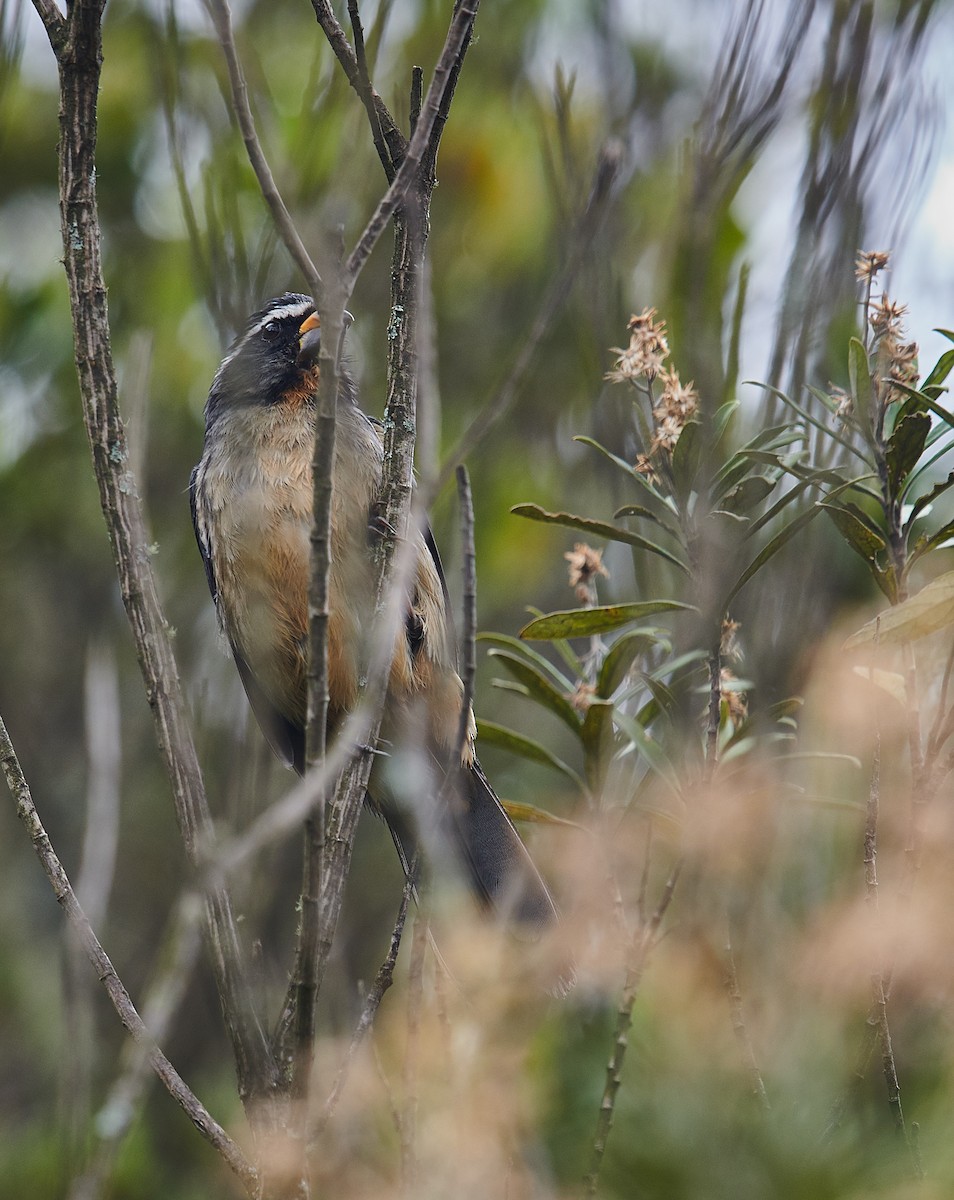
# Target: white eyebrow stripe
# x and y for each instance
(300, 309)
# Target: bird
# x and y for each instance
(251, 496)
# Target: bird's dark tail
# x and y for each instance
(501, 869)
(488, 848)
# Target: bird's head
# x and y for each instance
(274, 359)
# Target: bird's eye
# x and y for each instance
(270, 330)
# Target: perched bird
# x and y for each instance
(251, 498)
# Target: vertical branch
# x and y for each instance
(469, 631)
(78, 48)
(635, 970)
(125, 1010)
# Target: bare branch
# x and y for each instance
(624, 1020)
(222, 19)
(79, 85)
(54, 22)
(382, 981)
(426, 134)
(469, 631)
(163, 1000)
(337, 39)
(366, 91)
(214, 1134)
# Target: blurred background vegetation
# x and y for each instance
(763, 145)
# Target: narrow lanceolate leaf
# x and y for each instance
(587, 622)
(540, 688)
(492, 734)
(854, 527)
(747, 494)
(598, 736)
(506, 642)
(771, 548)
(926, 543)
(859, 378)
(651, 751)
(942, 368)
(539, 816)
(602, 529)
(623, 653)
(631, 472)
(686, 458)
(929, 610)
(922, 502)
(647, 514)
(905, 447)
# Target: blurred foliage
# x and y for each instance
(188, 253)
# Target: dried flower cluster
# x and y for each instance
(677, 404)
(645, 359)
(733, 697)
(586, 564)
(869, 263)
(646, 353)
(898, 359)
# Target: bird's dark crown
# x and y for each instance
(263, 361)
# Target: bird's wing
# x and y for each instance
(285, 738)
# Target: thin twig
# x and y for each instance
(469, 630)
(394, 139)
(80, 59)
(214, 1134)
(415, 993)
(366, 91)
(739, 1026)
(430, 122)
(163, 1001)
(222, 20)
(382, 981)
(624, 1020)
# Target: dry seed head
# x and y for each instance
(869, 263)
(586, 564)
(646, 353)
(729, 646)
(644, 466)
(734, 699)
(885, 318)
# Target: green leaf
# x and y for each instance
(631, 473)
(771, 548)
(659, 762)
(587, 622)
(930, 609)
(748, 494)
(905, 447)
(540, 688)
(854, 526)
(623, 653)
(720, 422)
(686, 458)
(492, 734)
(928, 401)
(859, 377)
(601, 529)
(598, 737)
(517, 811)
(924, 544)
(522, 649)
(942, 368)
(923, 501)
(638, 510)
